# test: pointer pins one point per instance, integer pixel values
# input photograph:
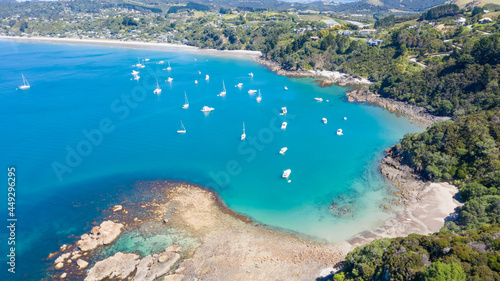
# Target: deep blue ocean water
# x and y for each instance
(86, 132)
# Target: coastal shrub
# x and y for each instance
(439, 271)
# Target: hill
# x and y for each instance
(367, 6)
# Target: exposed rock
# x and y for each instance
(152, 267)
(174, 248)
(174, 277)
(165, 220)
(62, 257)
(118, 266)
(107, 233)
(63, 248)
(117, 208)
(329, 77)
(416, 113)
(64, 275)
(59, 265)
(82, 264)
(477, 246)
(51, 255)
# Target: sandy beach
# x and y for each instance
(137, 45)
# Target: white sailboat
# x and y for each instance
(286, 173)
(251, 92)
(157, 91)
(259, 98)
(318, 99)
(324, 120)
(139, 64)
(146, 59)
(345, 118)
(286, 88)
(183, 130)
(196, 82)
(170, 79)
(161, 62)
(250, 74)
(283, 125)
(223, 93)
(244, 135)
(339, 132)
(169, 68)
(25, 85)
(186, 102)
(135, 72)
(239, 85)
(283, 111)
(207, 77)
(283, 150)
(207, 109)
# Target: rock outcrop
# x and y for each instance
(122, 265)
(415, 113)
(118, 266)
(104, 234)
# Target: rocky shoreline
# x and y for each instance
(425, 205)
(327, 77)
(415, 113)
(228, 246)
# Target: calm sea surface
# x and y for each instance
(86, 132)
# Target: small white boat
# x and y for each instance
(169, 68)
(239, 85)
(199, 71)
(207, 109)
(286, 88)
(223, 93)
(25, 85)
(244, 135)
(135, 72)
(250, 74)
(283, 125)
(283, 111)
(345, 118)
(196, 82)
(207, 77)
(136, 77)
(283, 150)
(286, 173)
(339, 132)
(161, 62)
(170, 79)
(186, 102)
(318, 99)
(259, 98)
(251, 92)
(324, 120)
(183, 130)
(146, 59)
(157, 91)
(139, 64)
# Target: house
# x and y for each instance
(485, 20)
(375, 42)
(367, 31)
(331, 23)
(346, 32)
(460, 21)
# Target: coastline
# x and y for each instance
(136, 45)
(227, 247)
(328, 77)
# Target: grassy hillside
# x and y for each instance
(463, 3)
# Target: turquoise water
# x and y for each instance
(86, 132)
